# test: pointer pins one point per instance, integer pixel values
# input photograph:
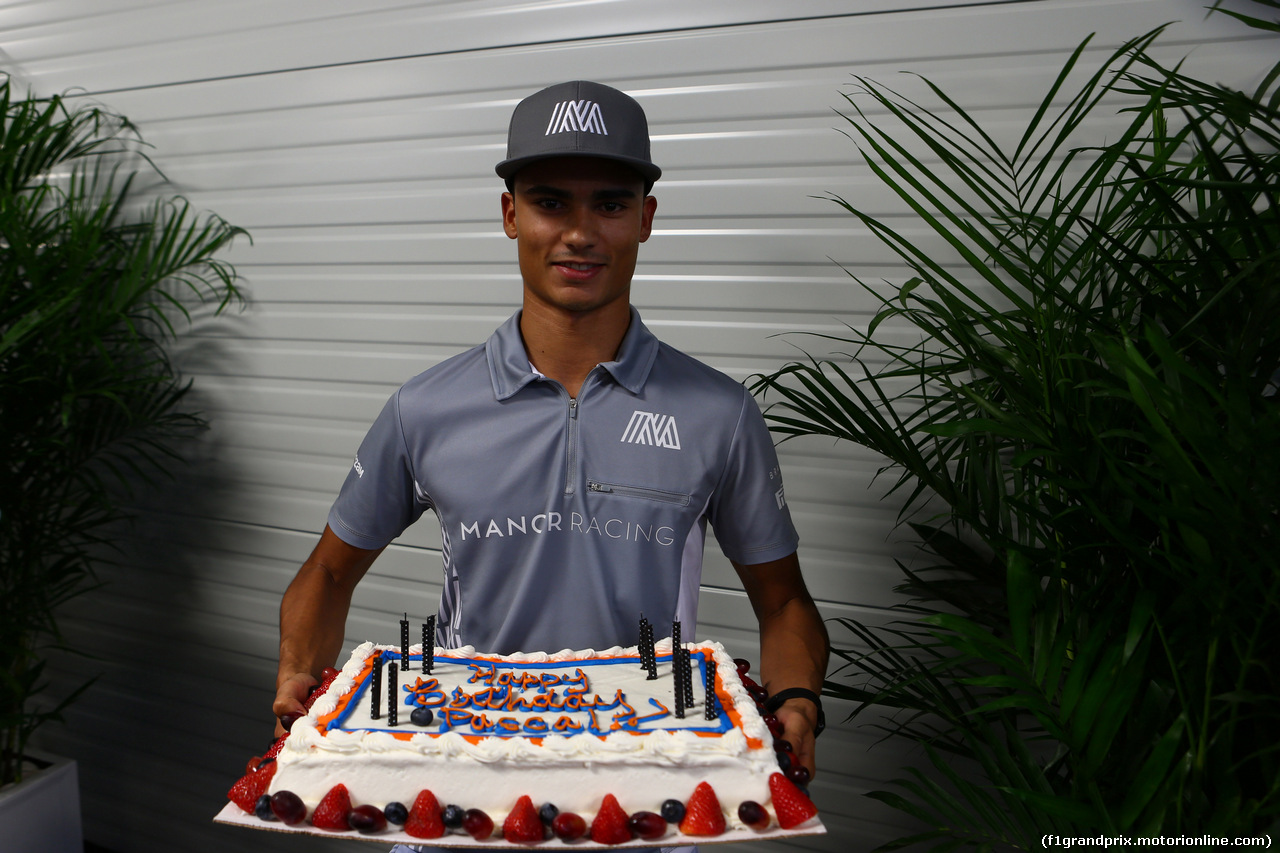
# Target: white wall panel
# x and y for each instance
(356, 142)
(168, 43)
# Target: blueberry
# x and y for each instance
(396, 813)
(673, 811)
(547, 814)
(421, 716)
(451, 816)
(262, 808)
(784, 761)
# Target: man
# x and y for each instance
(573, 460)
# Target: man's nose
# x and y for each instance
(580, 229)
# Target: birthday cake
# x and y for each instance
(669, 744)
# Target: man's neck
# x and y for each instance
(566, 346)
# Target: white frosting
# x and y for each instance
(665, 759)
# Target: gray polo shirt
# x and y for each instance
(564, 519)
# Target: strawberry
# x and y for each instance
(334, 810)
(245, 792)
(275, 748)
(702, 814)
(523, 826)
(424, 818)
(316, 692)
(789, 804)
(610, 824)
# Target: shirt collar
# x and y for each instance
(510, 370)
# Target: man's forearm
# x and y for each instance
(313, 617)
(793, 653)
(793, 647)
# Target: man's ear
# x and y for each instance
(509, 214)
(646, 221)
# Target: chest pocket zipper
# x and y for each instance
(638, 492)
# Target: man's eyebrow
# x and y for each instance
(620, 192)
(554, 192)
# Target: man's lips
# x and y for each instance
(577, 270)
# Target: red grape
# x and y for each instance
(289, 807)
(477, 824)
(753, 815)
(568, 826)
(647, 825)
(367, 819)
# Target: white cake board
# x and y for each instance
(235, 816)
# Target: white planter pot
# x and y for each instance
(42, 813)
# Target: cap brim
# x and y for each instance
(507, 168)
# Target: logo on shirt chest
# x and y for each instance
(652, 429)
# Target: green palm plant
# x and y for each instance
(95, 283)
(1092, 403)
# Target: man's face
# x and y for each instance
(578, 223)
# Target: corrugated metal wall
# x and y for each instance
(356, 143)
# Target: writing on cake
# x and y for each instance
(505, 699)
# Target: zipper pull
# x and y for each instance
(573, 407)
(593, 486)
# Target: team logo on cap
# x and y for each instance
(576, 115)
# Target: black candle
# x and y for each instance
(677, 672)
(404, 643)
(391, 693)
(375, 687)
(710, 712)
(689, 678)
(651, 655)
(677, 663)
(429, 644)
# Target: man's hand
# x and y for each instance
(799, 719)
(290, 696)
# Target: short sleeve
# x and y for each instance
(748, 510)
(378, 499)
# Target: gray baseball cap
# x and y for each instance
(579, 119)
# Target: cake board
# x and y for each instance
(232, 815)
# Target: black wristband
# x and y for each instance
(774, 702)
